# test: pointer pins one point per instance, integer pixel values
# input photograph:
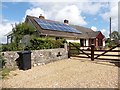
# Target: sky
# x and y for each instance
(92, 14)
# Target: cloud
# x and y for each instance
(34, 12)
(90, 7)
(57, 10)
(59, 13)
(85, 6)
(105, 32)
(94, 28)
(5, 27)
(45, 0)
(60, 1)
(72, 13)
(113, 13)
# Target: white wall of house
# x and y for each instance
(87, 43)
(77, 41)
(103, 42)
(68, 40)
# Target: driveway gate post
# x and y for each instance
(92, 52)
(69, 50)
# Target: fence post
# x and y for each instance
(69, 50)
(92, 52)
(65, 45)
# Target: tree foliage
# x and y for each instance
(115, 35)
(45, 43)
(20, 30)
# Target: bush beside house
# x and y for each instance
(35, 44)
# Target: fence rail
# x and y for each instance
(76, 51)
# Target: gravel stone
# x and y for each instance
(68, 73)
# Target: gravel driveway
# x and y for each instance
(68, 73)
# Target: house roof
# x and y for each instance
(86, 32)
(9, 33)
(50, 32)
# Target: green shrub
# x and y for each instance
(2, 62)
(5, 72)
(76, 44)
(110, 44)
(5, 48)
(74, 50)
(35, 44)
(10, 47)
(45, 43)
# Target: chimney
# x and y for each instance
(66, 22)
(41, 17)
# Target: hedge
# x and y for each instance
(45, 43)
(35, 44)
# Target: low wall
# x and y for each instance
(38, 57)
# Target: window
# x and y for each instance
(58, 38)
(100, 43)
(82, 42)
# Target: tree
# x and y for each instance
(20, 30)
(115, 35)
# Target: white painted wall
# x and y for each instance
(77, 41)
(87, 42)
(103, 42)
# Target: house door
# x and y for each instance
(91, 41)
(100, 42)
(82, 42)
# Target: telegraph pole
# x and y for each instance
(110, 23)
(110, 28)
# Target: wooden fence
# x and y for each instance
(92, 53)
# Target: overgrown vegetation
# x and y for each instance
(36, 43)
(4, 73)
(19, 31)
(74, 50)
(109, 43)
(2, 62)
(45, 43)
(115, 37)
(76, 44)
(10, 47)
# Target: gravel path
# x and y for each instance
(68, 73)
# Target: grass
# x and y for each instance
(4, 73)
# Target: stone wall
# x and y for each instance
(38, 57)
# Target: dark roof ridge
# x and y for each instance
(44, 19)
(82, 27)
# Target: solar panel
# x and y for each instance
(55, 26)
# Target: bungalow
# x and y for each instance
(72, 33)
